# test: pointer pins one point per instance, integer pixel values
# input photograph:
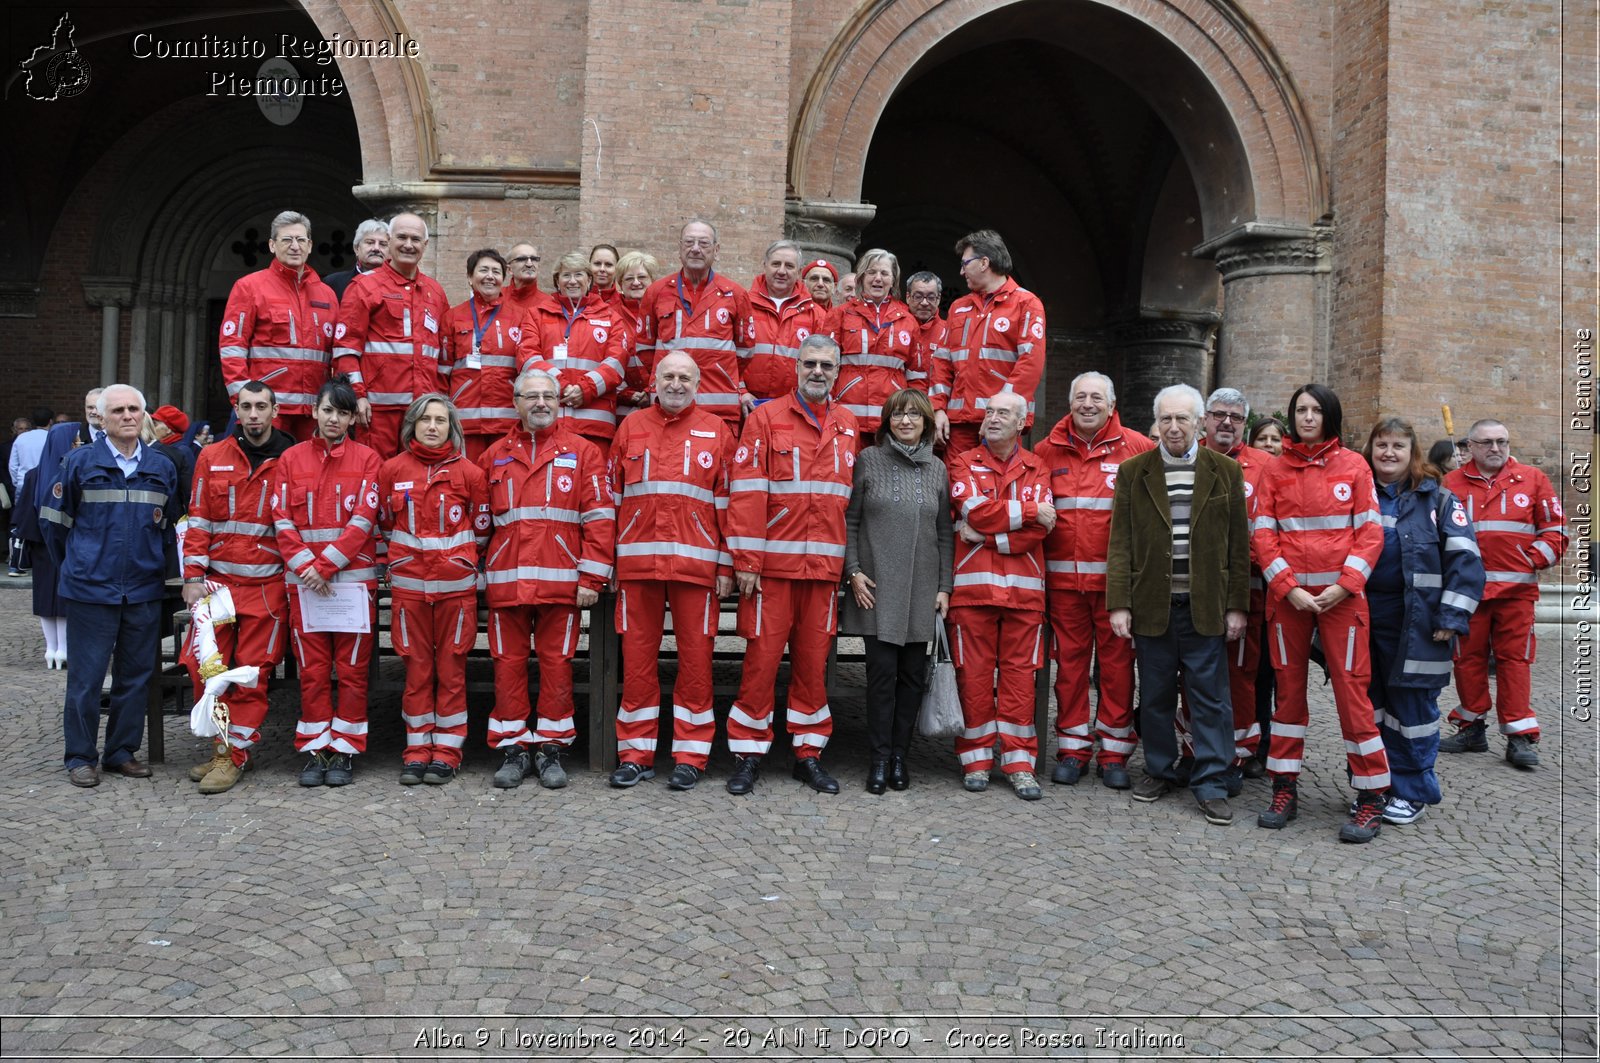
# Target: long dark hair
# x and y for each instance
(340, 395)
(1332, 411)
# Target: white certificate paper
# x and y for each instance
(348, 608)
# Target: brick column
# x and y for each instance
(1274, 333)
(1156, 352)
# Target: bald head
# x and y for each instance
(677, 382)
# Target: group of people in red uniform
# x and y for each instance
(681, 439)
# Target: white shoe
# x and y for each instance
(1399, 811)
(49, 660)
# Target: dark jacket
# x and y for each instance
(107, 531)
(1443, 575)
(1139, 557)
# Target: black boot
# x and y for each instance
(877, 777)
(899, 777)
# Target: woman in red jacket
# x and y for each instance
(436, 517)
(603, 264)
(325, 511)
(1317, 536)
(877, 342)
(577, 337)
(636, 271)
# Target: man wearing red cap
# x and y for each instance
(170, 423)
(820, 279)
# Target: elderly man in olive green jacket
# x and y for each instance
(1178, 584)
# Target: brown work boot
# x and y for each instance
(219, 757)
(221, 778)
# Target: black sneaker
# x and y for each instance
(315, 773)
(683, 777)
(438, 773)
(514, 769)
(1067, 772)
(340, 770)
(1469, 738)
(1285, 805)
(630, 774)
(1115, 775)
(411, 773)
(1522, 752)
(547, 762)
(1366, 819)
(1233, 779)
(745, 773)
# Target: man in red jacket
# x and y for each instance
(706, 316)
(1082, 453)
(923, 291)
(1004, 509)
(231, 544)
(1521, 531)
(390, 337)
(549, 558)
(994, 337)
(522, 293)
(278, 327)
(782, 314)
(791, 486)
(669, 474)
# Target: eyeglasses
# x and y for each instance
(1491, 444)
(923, 297)
(293, 239)
(812, 363)
(701, 242)
(1234, 418)
(547, 396)
(974, 258)
(906, 415)
(526, 258)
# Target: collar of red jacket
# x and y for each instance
(796, 298)
(400, 278)
(1062, 435)
(306, 276)
(1311, 454)
(1510, 471)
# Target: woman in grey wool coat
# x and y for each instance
(898, 556)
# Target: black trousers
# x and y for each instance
(897, 677)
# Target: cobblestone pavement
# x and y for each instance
(142, 920)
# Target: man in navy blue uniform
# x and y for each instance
(105, 520)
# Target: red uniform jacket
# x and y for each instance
(1519, 524)
(928, 338)
(992, 343)
(325, 511)
(669, 476)
(278, 328)
(483, 362)
(1252, 463)
(1001, 500)
(581, 346)
(230, 537)
(791, 486)
(554, 521)
(638, 378)
(877, 355)
(708, 324)
(390, 337)
(436, 518)
(1083, 477)
(1316, 520)
(773, 337)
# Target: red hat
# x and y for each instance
(172, 417)
(825, 264)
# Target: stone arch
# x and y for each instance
(1232, 95)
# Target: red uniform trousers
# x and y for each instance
(554, 631)
(963, 437)
(433, 639)
(1346, 645)
(804, 614)
(984, 638)
(301, 426)
(641, 612)
(1506, 624)
(321, 652)
(1081, 624)
(1244, 662)
(259, 636)
(383, 434)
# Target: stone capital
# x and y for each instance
(19, 299)
(1170, 330)
(828, 228)
(108, 291)
(1259, 249)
